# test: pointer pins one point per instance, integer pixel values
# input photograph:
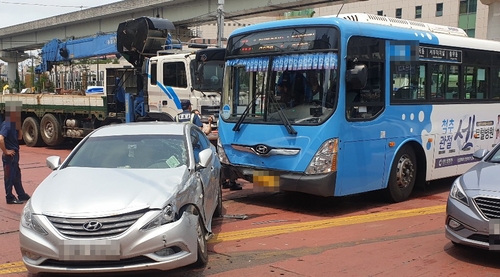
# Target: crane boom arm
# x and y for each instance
(57, 51)
(137, 38)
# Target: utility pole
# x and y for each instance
(32, 74)
(220, 23)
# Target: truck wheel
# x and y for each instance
(31, 132)
(51, 130)
(402, 175)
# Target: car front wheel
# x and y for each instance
(202, 245)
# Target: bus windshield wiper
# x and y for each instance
(283, 117)
(237, 126)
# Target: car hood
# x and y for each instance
(483, 176)
(78, 191)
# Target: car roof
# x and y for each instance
(141, 128)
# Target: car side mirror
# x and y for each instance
(53, 162)
(205, 157)
(480, 154)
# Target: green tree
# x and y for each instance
(18, 83)
(43, 83)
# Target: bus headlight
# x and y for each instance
(325, 159)
(222, 154)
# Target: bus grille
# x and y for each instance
(489, 207)
(111, 226)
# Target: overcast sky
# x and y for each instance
(13, 12)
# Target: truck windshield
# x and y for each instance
(305, 94)
(211, 77)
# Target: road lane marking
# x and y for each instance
(17, 267)
(321, 224)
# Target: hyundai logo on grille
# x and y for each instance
(92, 226)
(261, 149)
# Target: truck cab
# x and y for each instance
(194, 75)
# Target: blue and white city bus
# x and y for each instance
(334, 106)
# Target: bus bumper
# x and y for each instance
(321, 185)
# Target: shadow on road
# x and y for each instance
(335, 206)
(471, 255)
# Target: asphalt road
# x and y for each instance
(275, 234)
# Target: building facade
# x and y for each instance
(470, 15)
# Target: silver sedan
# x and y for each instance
(129, 197)
(473, 207)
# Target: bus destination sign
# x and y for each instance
(440, 54)
(271, 42)
(283, 41)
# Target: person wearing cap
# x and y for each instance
(10, 134)
(187, 115)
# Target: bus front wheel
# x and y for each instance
(403, 175)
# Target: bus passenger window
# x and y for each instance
(475, 83)
(408, 81)
(495, 91)
(444, 81)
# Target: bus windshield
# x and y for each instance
(290, 73)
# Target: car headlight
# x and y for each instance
(166, 215)
(458, 193)
(325, 159)
(222, 154)
(29, 221)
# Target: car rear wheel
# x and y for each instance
(202, 245)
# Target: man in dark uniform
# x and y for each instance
(10, 134)
(187, 115)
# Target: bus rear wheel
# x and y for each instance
(402, 176)
(51, 130)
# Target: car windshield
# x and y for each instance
(495, 156)
(136, 151)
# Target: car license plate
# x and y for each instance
(264, 180)
(494, 234)
(87, 250)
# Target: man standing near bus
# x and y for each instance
(10, 134)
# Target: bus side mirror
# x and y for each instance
(357, 77)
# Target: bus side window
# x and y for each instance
(352, 97)
(495, 92)
(369, 52)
